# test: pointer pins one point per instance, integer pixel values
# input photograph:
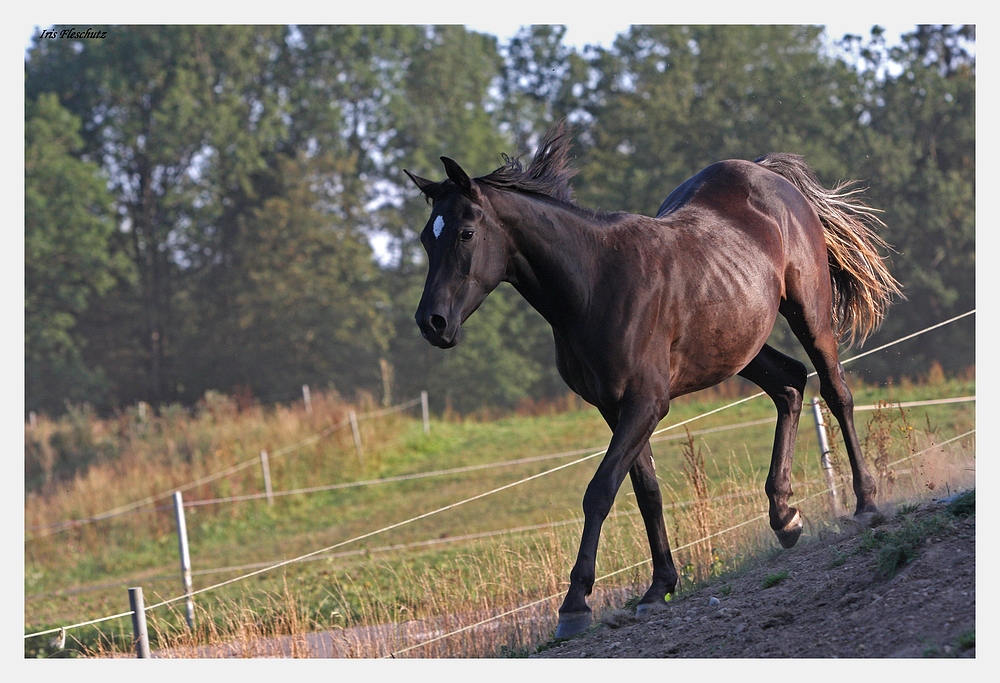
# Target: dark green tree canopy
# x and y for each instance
(202, 202)
(68, 230)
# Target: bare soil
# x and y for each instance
(825, 598)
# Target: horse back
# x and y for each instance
(745, 198)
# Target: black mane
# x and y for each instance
(548, 173)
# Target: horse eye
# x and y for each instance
(466, 235)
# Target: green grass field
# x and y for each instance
(82, 573)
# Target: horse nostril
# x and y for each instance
(438, 323)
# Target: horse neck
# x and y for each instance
(554, 254)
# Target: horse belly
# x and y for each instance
(718, 340)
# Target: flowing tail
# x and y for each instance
(863, 287)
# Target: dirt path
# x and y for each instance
(826, 599)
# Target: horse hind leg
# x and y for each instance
(816, 336)
(784, 380)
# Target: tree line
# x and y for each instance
(201, 203)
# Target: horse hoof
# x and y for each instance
(650, 608)
(864, 517)
(572, 623)
(789, 534)
(865, 513)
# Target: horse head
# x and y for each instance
(466, 254)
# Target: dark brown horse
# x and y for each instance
(646, 309)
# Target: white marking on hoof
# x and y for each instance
(438, 226)
(794, 523)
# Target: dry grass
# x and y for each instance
(458, 615)
(454, 608)
(80, 466)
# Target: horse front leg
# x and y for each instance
(650, 502)
(631, 435)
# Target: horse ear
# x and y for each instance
(428, 187)
(457, 175)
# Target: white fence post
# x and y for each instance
(307, 398)
(824, 454)
(425, 413)
(357, 436)
(182, 541)
(267, 477)
(139, 634)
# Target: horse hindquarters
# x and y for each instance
(828, 288)
(808, 308)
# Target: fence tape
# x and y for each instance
(522, 607)
(488, 493)
(760, 517)
(149, 500)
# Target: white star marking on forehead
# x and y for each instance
(438, 226)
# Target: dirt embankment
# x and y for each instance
(903, 587)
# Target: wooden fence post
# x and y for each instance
(182, 541)
(307, 398)
(267, 477)
(139, 634)
(388, 373)
(425, 412)
(357, 436)
(824, 454)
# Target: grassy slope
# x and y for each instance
(139, 548)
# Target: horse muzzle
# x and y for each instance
(438, 330)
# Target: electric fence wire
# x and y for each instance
(476, 497)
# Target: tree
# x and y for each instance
(68, 262)
(196, 128)
(249, 166)
(537, 68)
(669, 100)
(303, 302)
(178, 117)
(916, 140)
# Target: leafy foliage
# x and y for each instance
(67, 231)
(201, 201)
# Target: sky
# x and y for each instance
(602, 32)
(580, 31)
(596, 23)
